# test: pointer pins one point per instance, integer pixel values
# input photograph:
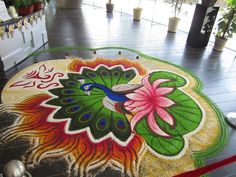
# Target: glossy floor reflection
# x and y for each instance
(92, 27)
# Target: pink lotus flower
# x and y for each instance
(148, 100)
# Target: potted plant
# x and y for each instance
(174, 21)
(226, 26)
(109, 6)
(25, 7)
(137, 12)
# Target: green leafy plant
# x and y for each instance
(227, 23)
(43, 1)
(22, 3)
(139, 3)
(177, 4)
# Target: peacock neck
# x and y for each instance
(103, 88)
(120, 97)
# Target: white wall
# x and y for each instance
(23, 43)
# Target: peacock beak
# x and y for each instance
(87, 92)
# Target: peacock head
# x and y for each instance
(87, 87)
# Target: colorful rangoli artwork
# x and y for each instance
(142, 117)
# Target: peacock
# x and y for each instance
(115, 97)
(94, 99)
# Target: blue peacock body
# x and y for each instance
(119, 97)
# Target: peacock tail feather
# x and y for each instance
(88, 111)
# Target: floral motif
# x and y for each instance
(40, 78)
(147, 101)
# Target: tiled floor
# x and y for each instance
(92, 27)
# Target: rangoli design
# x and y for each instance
(133, 116)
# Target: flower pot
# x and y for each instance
(219, 44)
(173, 24)
(109, 7)
(38, 6)
(137, 12)
(23, 11)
